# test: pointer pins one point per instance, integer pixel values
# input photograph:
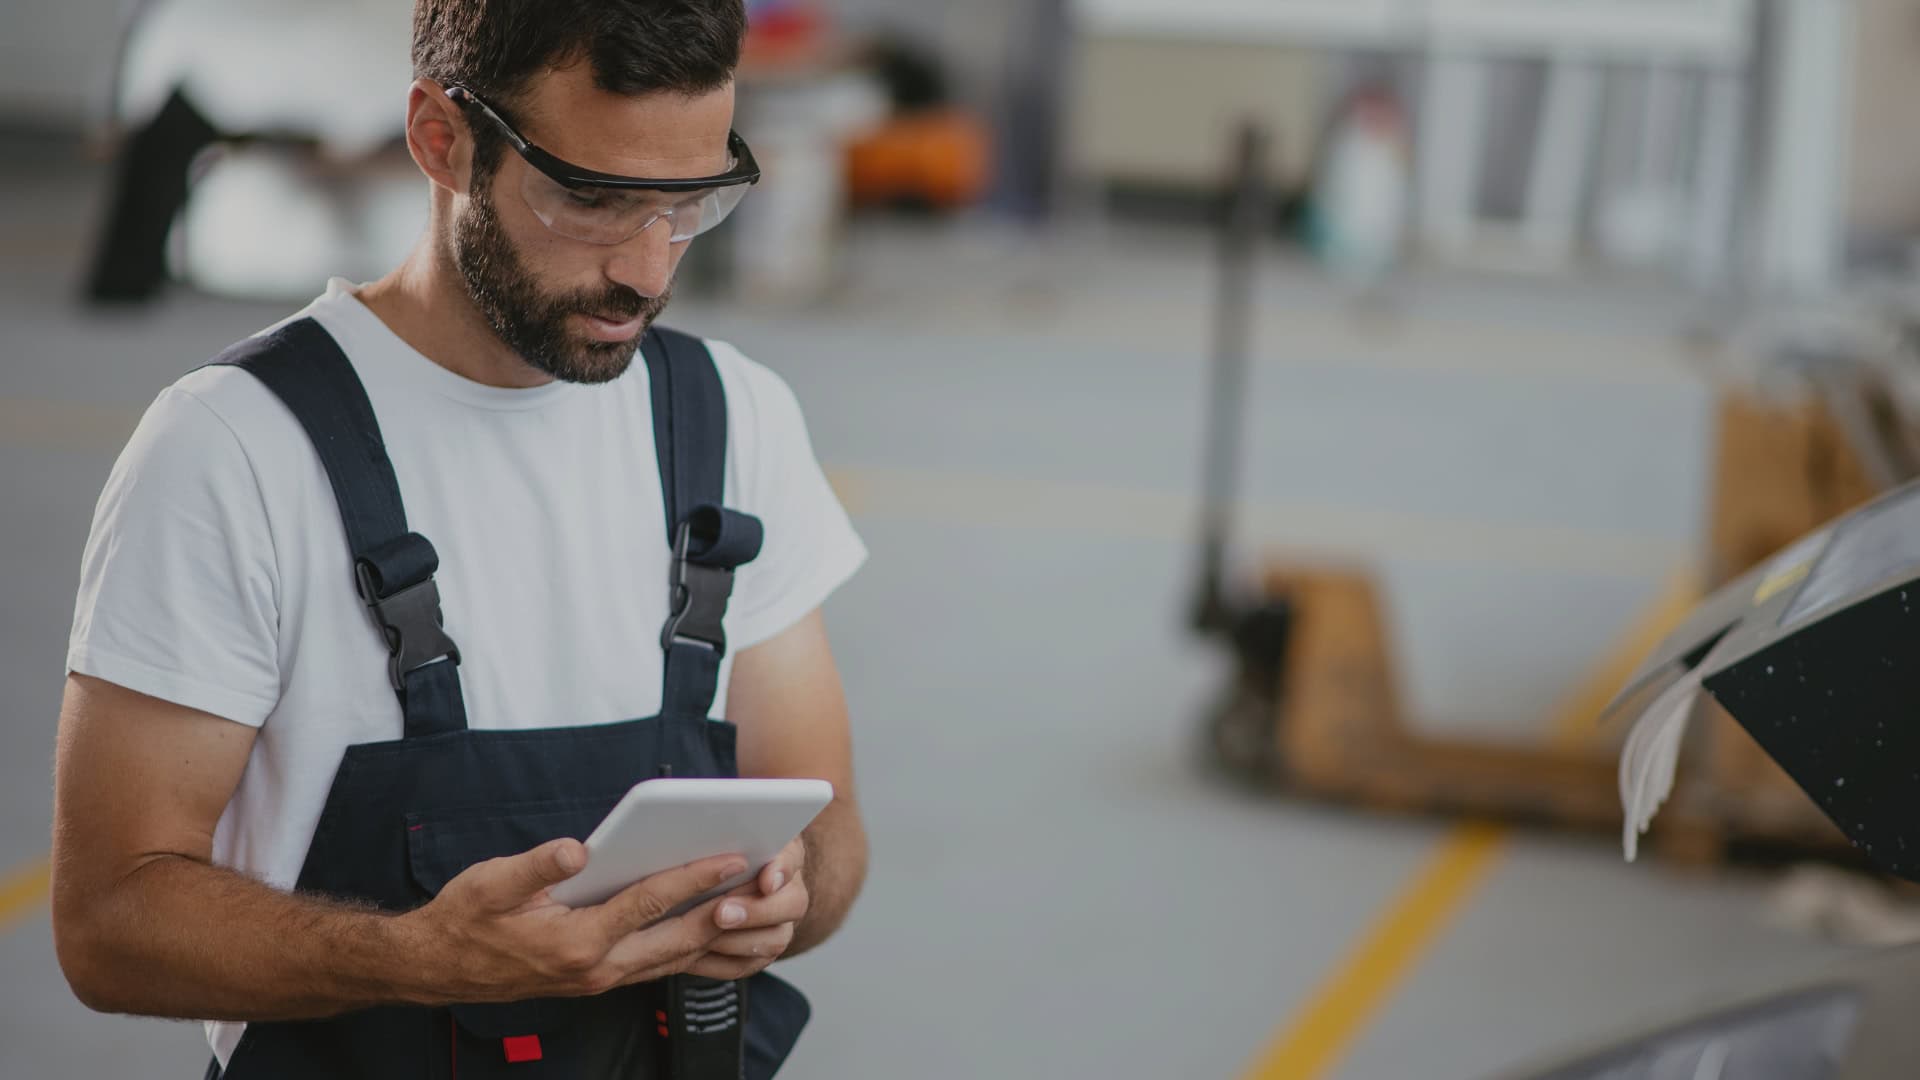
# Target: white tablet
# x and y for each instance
(669, 822)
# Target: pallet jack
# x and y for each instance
(1312, 705)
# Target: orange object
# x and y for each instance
(785, 35)
(943, 158)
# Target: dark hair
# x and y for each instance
(496, 47)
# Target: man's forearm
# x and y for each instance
(181, 938)
(836, 869)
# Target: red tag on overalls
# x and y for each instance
(522, 1048)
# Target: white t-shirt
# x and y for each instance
(217, 574)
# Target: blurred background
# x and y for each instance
(1279, 426)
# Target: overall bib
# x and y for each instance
(404, 817)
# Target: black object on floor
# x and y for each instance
(149, 188)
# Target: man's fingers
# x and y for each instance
(772, 876)
(513, 880)
(662, 948)
(725, 968)
(751, 912)
(764, 945)
(648, 901)
(783, 868)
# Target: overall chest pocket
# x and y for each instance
(610, 1035)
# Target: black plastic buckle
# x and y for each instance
(705, 1025)
(699, 600)
(411, 622)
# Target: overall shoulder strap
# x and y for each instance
(392, 567)
(689, 422)
(708, 541)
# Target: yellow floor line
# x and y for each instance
(948, 497)
(22, 890)
(852, 489)
(1323, 1032)
(65, 425)
(1317, 1038)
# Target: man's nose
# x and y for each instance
(645, 262)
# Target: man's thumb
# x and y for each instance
(545, 866)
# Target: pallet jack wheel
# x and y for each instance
(1240, 736)
(1243, 726)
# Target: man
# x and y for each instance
(315, 792)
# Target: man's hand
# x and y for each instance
(758, 920)
(497, 935)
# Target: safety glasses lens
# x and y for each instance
(708, 210)
(600, 215)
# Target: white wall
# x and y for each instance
(56, 59)
(1885, 178)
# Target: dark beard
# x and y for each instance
(531, 323)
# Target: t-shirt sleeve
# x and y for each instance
(178, 584)
(811, 548)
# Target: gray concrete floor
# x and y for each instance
(1015, 423)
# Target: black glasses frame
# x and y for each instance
(745, 170)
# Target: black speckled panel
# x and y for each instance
(1837, 704)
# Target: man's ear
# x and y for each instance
(438, 136)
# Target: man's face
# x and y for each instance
(572, 309)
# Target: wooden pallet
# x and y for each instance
(1335, 730)
(1781, 469)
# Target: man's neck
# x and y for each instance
(424, 303)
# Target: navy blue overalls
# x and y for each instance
(403, 817)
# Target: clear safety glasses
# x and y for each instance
(605, 208)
